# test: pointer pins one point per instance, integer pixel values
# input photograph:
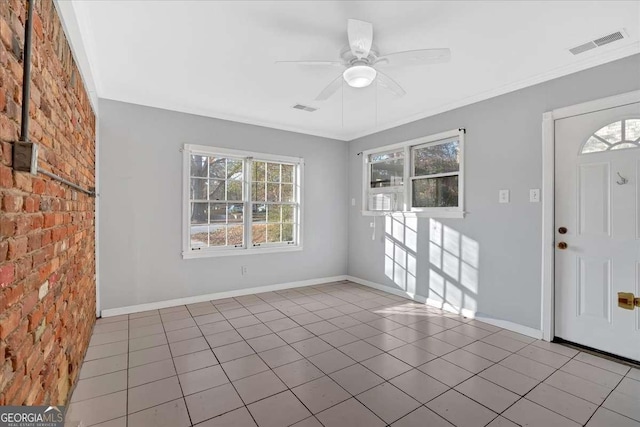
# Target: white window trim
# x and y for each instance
(247, 248)
(457, 212)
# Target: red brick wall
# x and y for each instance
(47, 262)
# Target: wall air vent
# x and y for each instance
(600, 41)
(304, 108)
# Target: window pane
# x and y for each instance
(386, 156)
(287, 213)
(258, 191)
(217, 213)
(216, 189)
(235, 213)
(387, 174)
(259, 171)
(235, 235)
(632, 129)
(273, 233)
(624, 145)
(593, 145)
(217, 235)
(199, 166)
(259, 233)
(199, 236)
(217, 167)
(287, 173)
(273, 192)
(435, 192)
(259, 213)
(199, 213)
(441, 158)
(273, 213)
(273, 172)
(611, 133)
(234, 169)
(198, 189)
(234, 190)
(287, 193)
(287, 232)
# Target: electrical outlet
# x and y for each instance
(244, 270)
(372, 225)
(503, 196)
(534, 195)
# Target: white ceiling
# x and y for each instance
(216, 58)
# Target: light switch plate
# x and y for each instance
(353, 202)
(503, 196)
(534, 195)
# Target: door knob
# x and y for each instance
(562, 245)
(627, 300)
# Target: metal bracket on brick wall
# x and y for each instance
(25, 153)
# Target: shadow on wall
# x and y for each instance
(453, 262)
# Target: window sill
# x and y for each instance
(418, 214)
(239, 252)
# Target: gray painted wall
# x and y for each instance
(141, 207)
(503, 151)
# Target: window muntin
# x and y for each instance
(431, 181)
(236, 201)
(619, 135)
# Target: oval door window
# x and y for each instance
(618, 135)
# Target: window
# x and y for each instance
(238, 202)
(424, 176)
(618, 135)
(386, 181)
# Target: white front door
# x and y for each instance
(597, 164)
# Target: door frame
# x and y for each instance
(548, 195)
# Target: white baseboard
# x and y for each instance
(394, 291)
(505, 324)
(514, 327)
(110, 312)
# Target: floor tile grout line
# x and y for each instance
(385, 315)
(177, 376)
(605, 399)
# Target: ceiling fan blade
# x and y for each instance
(360, 37)
(332, 88)
(390, 84)
(416, 57)
(312, 63)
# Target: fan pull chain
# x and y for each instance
(342, 95)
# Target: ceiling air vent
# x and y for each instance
(304, 108)
(601, 41)
(609, 38)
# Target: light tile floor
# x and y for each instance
(338, 355)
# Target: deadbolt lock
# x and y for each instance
(627, 300)
(562, 230)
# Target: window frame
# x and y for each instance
(408, 177)
(247, 248)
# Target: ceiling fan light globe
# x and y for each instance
(359, 75)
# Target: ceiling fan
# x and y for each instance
(361, 61)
